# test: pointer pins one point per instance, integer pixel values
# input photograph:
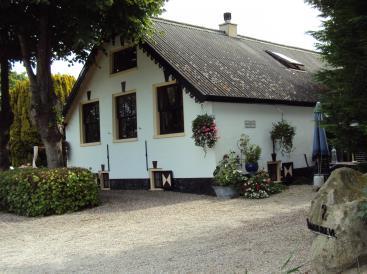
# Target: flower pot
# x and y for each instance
(318, 181)
(155, 164)
(251, 167)
(226, 192)
(273, 157)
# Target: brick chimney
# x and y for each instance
(228, 28)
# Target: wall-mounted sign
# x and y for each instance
(250, 124)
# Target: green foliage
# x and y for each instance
(250, 151)
(76, 26)
(23, 135)
(260, 186)
(228, 172)
(363, 209)
(283, 133)
(342, 42)
(14, 78)
(204, 131)
(48, 30)
(41, 192)
(284, 267)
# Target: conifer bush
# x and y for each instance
(23, 135)
(41, 192)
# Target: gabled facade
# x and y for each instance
(136, 104)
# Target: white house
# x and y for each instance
(135, 104)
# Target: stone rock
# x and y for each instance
(336, 207)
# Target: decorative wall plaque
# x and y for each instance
(250, 124)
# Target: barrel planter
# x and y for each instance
(226, 192)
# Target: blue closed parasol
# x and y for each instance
(320, 147)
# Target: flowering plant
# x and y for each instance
(228, 172)
(204, 131)
(260, 186)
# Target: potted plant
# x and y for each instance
(228, 176)
(251, 152)
(204, 131)
(283, 134)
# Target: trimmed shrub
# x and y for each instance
(41, 192)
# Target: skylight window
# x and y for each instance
(286, 61)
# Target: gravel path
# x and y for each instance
(150, 232)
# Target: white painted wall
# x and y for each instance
(127, 160)
(231, 118)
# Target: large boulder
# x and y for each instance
(334, 212)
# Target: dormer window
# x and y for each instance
(286, 61)
(123, 60)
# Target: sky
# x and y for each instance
(281, 21)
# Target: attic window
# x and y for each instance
(286, 61)
(124, 59)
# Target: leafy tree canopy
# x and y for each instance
(343, 44)
(46, 30)
(76, 26)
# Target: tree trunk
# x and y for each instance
(6, 116)
(44, 107)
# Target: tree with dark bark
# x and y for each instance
(9, 51)
(57, 29)
(343, 45)
(6, 115)
(23, 136)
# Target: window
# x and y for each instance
(90, 118)
(286, 61)
(170, 109)
(126, 116)
(124, 59)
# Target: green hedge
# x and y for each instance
(40, 192)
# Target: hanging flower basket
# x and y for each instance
(204, 131)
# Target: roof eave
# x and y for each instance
(74, 92)
(226, 99)
(169, 70)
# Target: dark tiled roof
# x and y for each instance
(213, 66)
(222, 67)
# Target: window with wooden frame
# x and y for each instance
(123, 60)
(126, 118)
(90, 123)
(170, 109)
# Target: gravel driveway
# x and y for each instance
(146, 232)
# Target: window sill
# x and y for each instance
(172, 135)
(90, 144)
(125, 140)
(112, 74)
